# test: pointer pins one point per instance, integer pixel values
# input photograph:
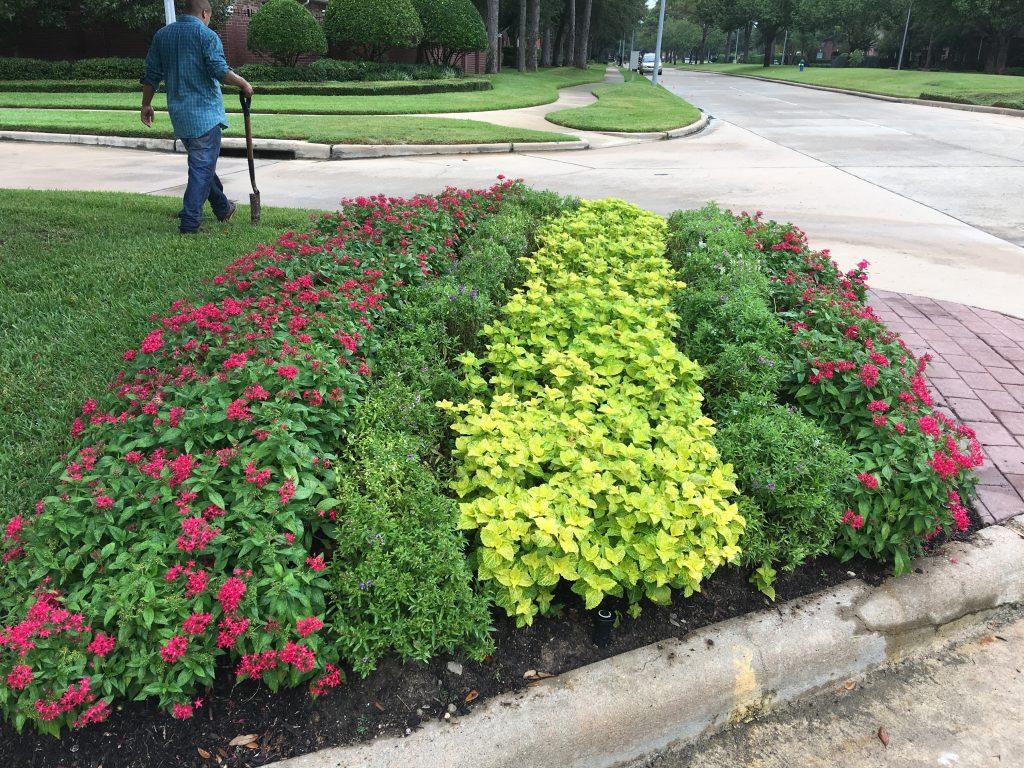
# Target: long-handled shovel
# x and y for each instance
(254, 198)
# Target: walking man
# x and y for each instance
(189, 57)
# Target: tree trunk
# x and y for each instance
(703, 42)
(769, 46)
(928, 55)
(521, 48)
(746, 41)
(583, 35)
(1003, 52)
(493, 38)
(546, 47)
(570, 47)
(532, 34)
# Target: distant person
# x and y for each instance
(189, 57)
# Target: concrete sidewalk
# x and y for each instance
(960, 707)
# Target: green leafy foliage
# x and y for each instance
(13, 68)
(583, 455)
(205, 513)
(450, 29)
(373, 26)
(285, 30)
(793, 475)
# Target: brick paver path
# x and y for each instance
(978, 376)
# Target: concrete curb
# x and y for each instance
(882, 96)
(675, 133)
(672, 692)
(304, 150)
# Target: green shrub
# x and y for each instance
(108, 67)
(373, 26)
(856, 59)
(284, 30)
(583, 455)
(451, 28)
(793, 475)
(372, 88)
(12, 68)
(726, 320)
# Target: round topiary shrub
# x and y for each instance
(373, 26)
(284, 30)
(451, 28)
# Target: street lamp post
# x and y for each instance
(657, 45)
(169, 15)
(903, 45)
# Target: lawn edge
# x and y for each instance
(301, 150)
(696, 126)
(672, 692)
(878, 96)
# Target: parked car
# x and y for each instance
(647, 65)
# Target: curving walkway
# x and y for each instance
(978, 373)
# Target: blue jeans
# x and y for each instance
(203, 183)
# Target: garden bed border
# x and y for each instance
(672, 692)
(879, 96)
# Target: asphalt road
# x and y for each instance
(968, 165)
(931, 197)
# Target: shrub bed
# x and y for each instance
(842, 368)
(232, 495)
(110, 68)
(583, 455)
(382, 88)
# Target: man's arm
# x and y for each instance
(150, 82)
(217, 66)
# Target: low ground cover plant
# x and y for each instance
(583, 455)
(231, 496)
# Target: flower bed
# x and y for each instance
(787, 327)
(216, 504)
(262, 496)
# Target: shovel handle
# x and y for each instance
(246, 103)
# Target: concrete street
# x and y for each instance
(958, 708)
(932, 197)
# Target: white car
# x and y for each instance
(647, 65)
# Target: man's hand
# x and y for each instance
(233, 78)
(147, 115)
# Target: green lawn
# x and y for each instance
(633, 106)
(510, 90)
(82, 272)
(323, 129)
(965, 87)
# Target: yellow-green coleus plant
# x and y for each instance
(582, 453)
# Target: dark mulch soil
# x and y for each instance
(397, 697)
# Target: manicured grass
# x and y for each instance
(82, 273)
(511, 90)
(323, 129)
(963, 87)
(633, 106)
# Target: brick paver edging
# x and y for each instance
(978, 376)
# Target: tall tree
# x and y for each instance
(521, 48)
(532, 35)
(583, 35)
(493, 37)
(1000, 21)
(570, 58)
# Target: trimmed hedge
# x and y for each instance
(330, 70)
(282, 89)
(13, 68)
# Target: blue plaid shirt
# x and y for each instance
(189, 56)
